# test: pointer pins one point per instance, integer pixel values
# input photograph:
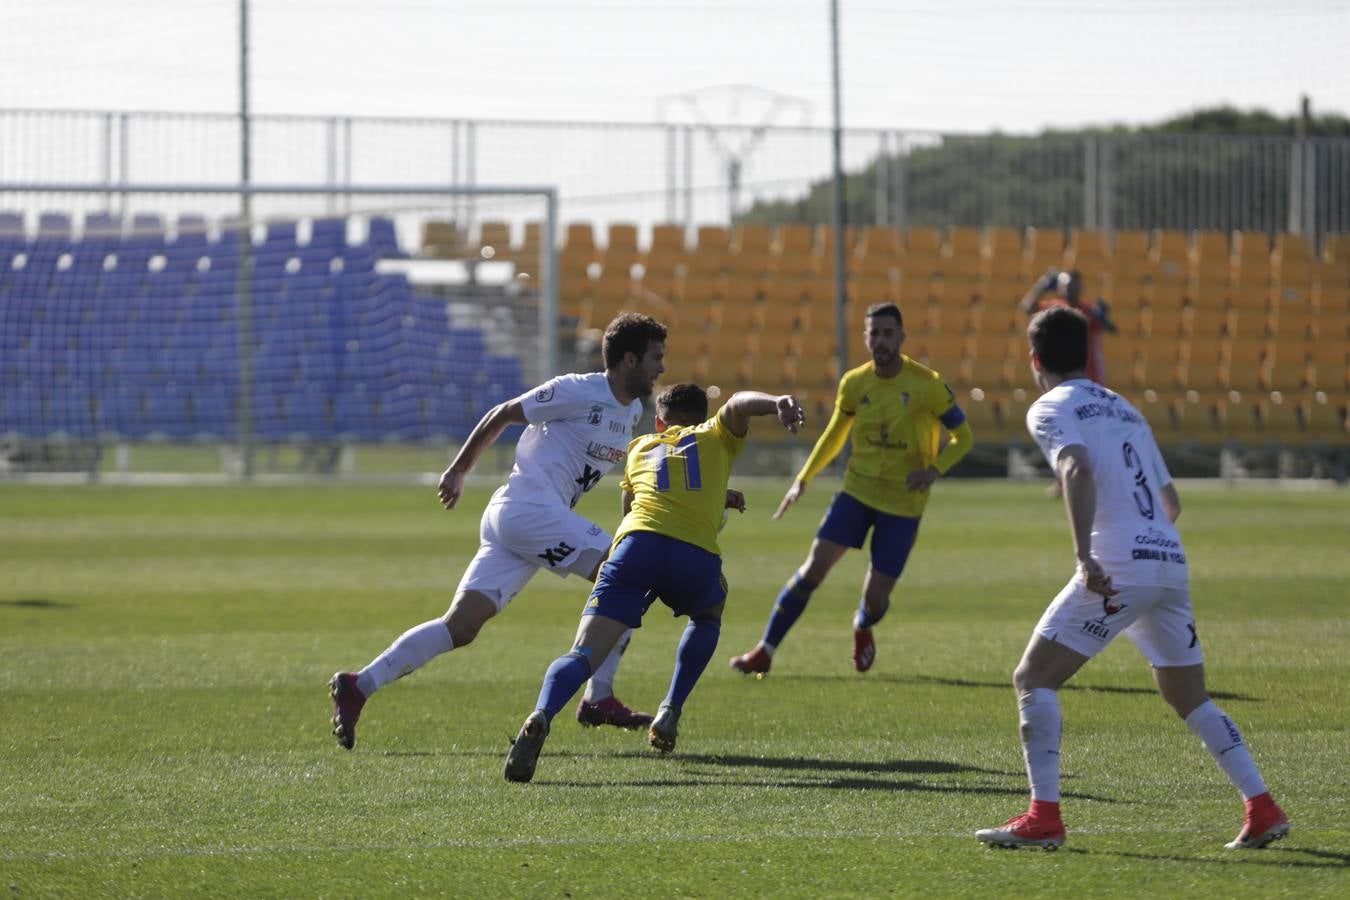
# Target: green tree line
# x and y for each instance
(1219, 168)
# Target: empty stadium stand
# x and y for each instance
(127, 334)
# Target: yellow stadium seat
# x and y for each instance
(942, 352)
(1289, 365)
(737, 317)
(751, 238)
(780, 316)
(1170, 256)
(1159, 361)
(1088, 251)
(1251, 258)
(1297, 322)
(1246, 366)
(1288, 419)
(1327, 419)
(711, 252)
(922, 252)
(878, 251)
(697, 291)
(963, 255)
(1329, 366)
(668, 238)
(1210, 257)
(1121, 360)
(791, 256)
(610, 295)
(958, 290)
(443, 240)
(1163, 322)
(528, 254)
(1044, 249)
(1131, 264)
(573, 292)
(494, 240)
(1292, 266)
(580, 235)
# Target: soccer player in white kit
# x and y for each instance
(1131, 579)
(578, 429)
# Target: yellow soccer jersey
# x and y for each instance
(678, 480)
(897, 425)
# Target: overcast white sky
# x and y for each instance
(961, 65)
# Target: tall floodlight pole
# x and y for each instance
(840, 273)
(244, 279)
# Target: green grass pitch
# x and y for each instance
(164, 715)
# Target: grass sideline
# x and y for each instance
(164, 651)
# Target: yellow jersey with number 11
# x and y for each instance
(678, 479)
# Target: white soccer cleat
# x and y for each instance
(1024, 831)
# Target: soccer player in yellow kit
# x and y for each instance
(896, 410)
(675, 489)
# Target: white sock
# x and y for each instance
(1224, 742)
(601, 684)
(768, 648)
(1041, 720)
(412, 650)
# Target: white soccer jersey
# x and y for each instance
(1132, 537)
(578, 431)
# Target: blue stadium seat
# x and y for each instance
(328, 233)
(70, 411)
(383, 239)
(213, 412)
(21, 410)
(355, 414)
(120, 412)
(166, 413)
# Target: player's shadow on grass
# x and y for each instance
(858, 781)
(38, 603)
(801, 763)
(1278, 856)
(1007, 685)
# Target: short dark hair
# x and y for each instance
(1059, 338)
(886, 309)
(682, 404)
(630, 332)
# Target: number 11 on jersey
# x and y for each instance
(687, 450)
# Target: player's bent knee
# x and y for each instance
(713, 615)
(467, 615)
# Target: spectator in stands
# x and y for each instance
(1058, 288)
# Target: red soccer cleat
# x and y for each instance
(864, 649)
(611, 711)
(756, 662)
(1265, 824)
(1038, 827)
(347, 703)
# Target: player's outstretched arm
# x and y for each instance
(1043, 286)
(793, 494)
(745, 405)
(484, 435)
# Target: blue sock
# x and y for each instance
(863, 619)
(695, 650)
(561, 682)
(792, 601)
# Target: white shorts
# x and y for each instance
(1157, 619)
(518, 539)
